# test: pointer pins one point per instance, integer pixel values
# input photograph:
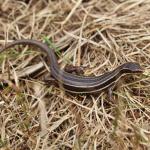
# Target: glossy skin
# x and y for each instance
(79, 84)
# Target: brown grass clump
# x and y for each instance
(98, 35)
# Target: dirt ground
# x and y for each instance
(98, 35)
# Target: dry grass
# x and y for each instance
(96, 34)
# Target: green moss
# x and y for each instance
(3, 143)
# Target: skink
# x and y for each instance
(79, 84)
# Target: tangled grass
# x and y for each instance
(98, 35)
